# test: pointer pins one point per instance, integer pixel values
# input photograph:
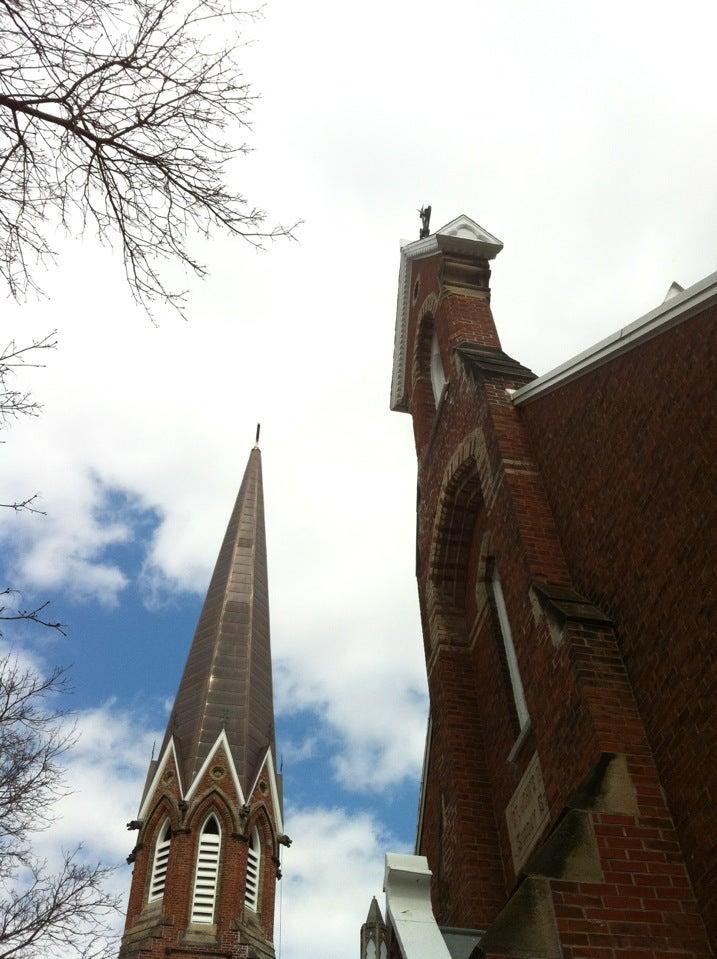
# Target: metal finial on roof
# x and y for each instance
(425, 215)
(258, 430)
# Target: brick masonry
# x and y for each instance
(628, 453)
(163, 928)
(608, 877)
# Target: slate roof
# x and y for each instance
(227, 682)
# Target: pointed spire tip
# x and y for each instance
(374, 913)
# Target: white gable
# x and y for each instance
(268, 764)
(462, 235)
(221, 740)
(168, 753)
(468, 229)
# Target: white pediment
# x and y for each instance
(221, 742)
(468, 229)
(462, 236)
(169, 753)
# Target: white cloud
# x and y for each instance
(359, 671)
(105, 771)
(331, 871)
(570, 140)
(298, 752)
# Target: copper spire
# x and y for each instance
(227, 682)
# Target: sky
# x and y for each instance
(584, 137)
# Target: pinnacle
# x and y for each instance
(374, 916)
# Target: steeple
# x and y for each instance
(374, 934)
(227, 684)
(210, 827)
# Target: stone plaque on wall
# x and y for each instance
(527, 813)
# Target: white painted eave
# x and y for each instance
(407, 884)
(221, 741)
(273, 788)
(462, 235)
(161, 765)
(680, 307)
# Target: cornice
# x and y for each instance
(675, 310)
(462, 236)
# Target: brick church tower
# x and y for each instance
(565, 527)
(206, 859)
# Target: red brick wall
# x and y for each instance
(216, 796)
(628, 454)
(482, 497)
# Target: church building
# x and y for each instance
(206, 860)
(565, 556)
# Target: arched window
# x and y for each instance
(438, 376)
(521, 707)
(161, 858)
(206, 878)
(253, 866)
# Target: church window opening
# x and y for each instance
(438, 376)
(516, 682)
(251, 893)
(161, 859)
(207, 874)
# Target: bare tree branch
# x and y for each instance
(122, 116)
(28, 615)
(15, 403)
(43, 914)
(24, 505)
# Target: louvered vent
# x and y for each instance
(159, 866)
(251, 893)
(205, 881)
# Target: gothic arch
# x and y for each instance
(165, 806)
(214, 800)
(485, 568)
(425, 324)
(260, 818)
(467, 487)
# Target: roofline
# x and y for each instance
(424, 775)
(695, 299)
(152, 788)
(269, 761)
(223, 741)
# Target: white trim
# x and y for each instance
(424, 776)
(461, 235)
(157, 774)
(407, 884)
(253, 863)
(672, 312)
(269, 761)
(521, 707)
(160, 861)
(221, 740)
(206, 884)
(438, 374)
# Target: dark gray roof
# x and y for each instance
(227, 681)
